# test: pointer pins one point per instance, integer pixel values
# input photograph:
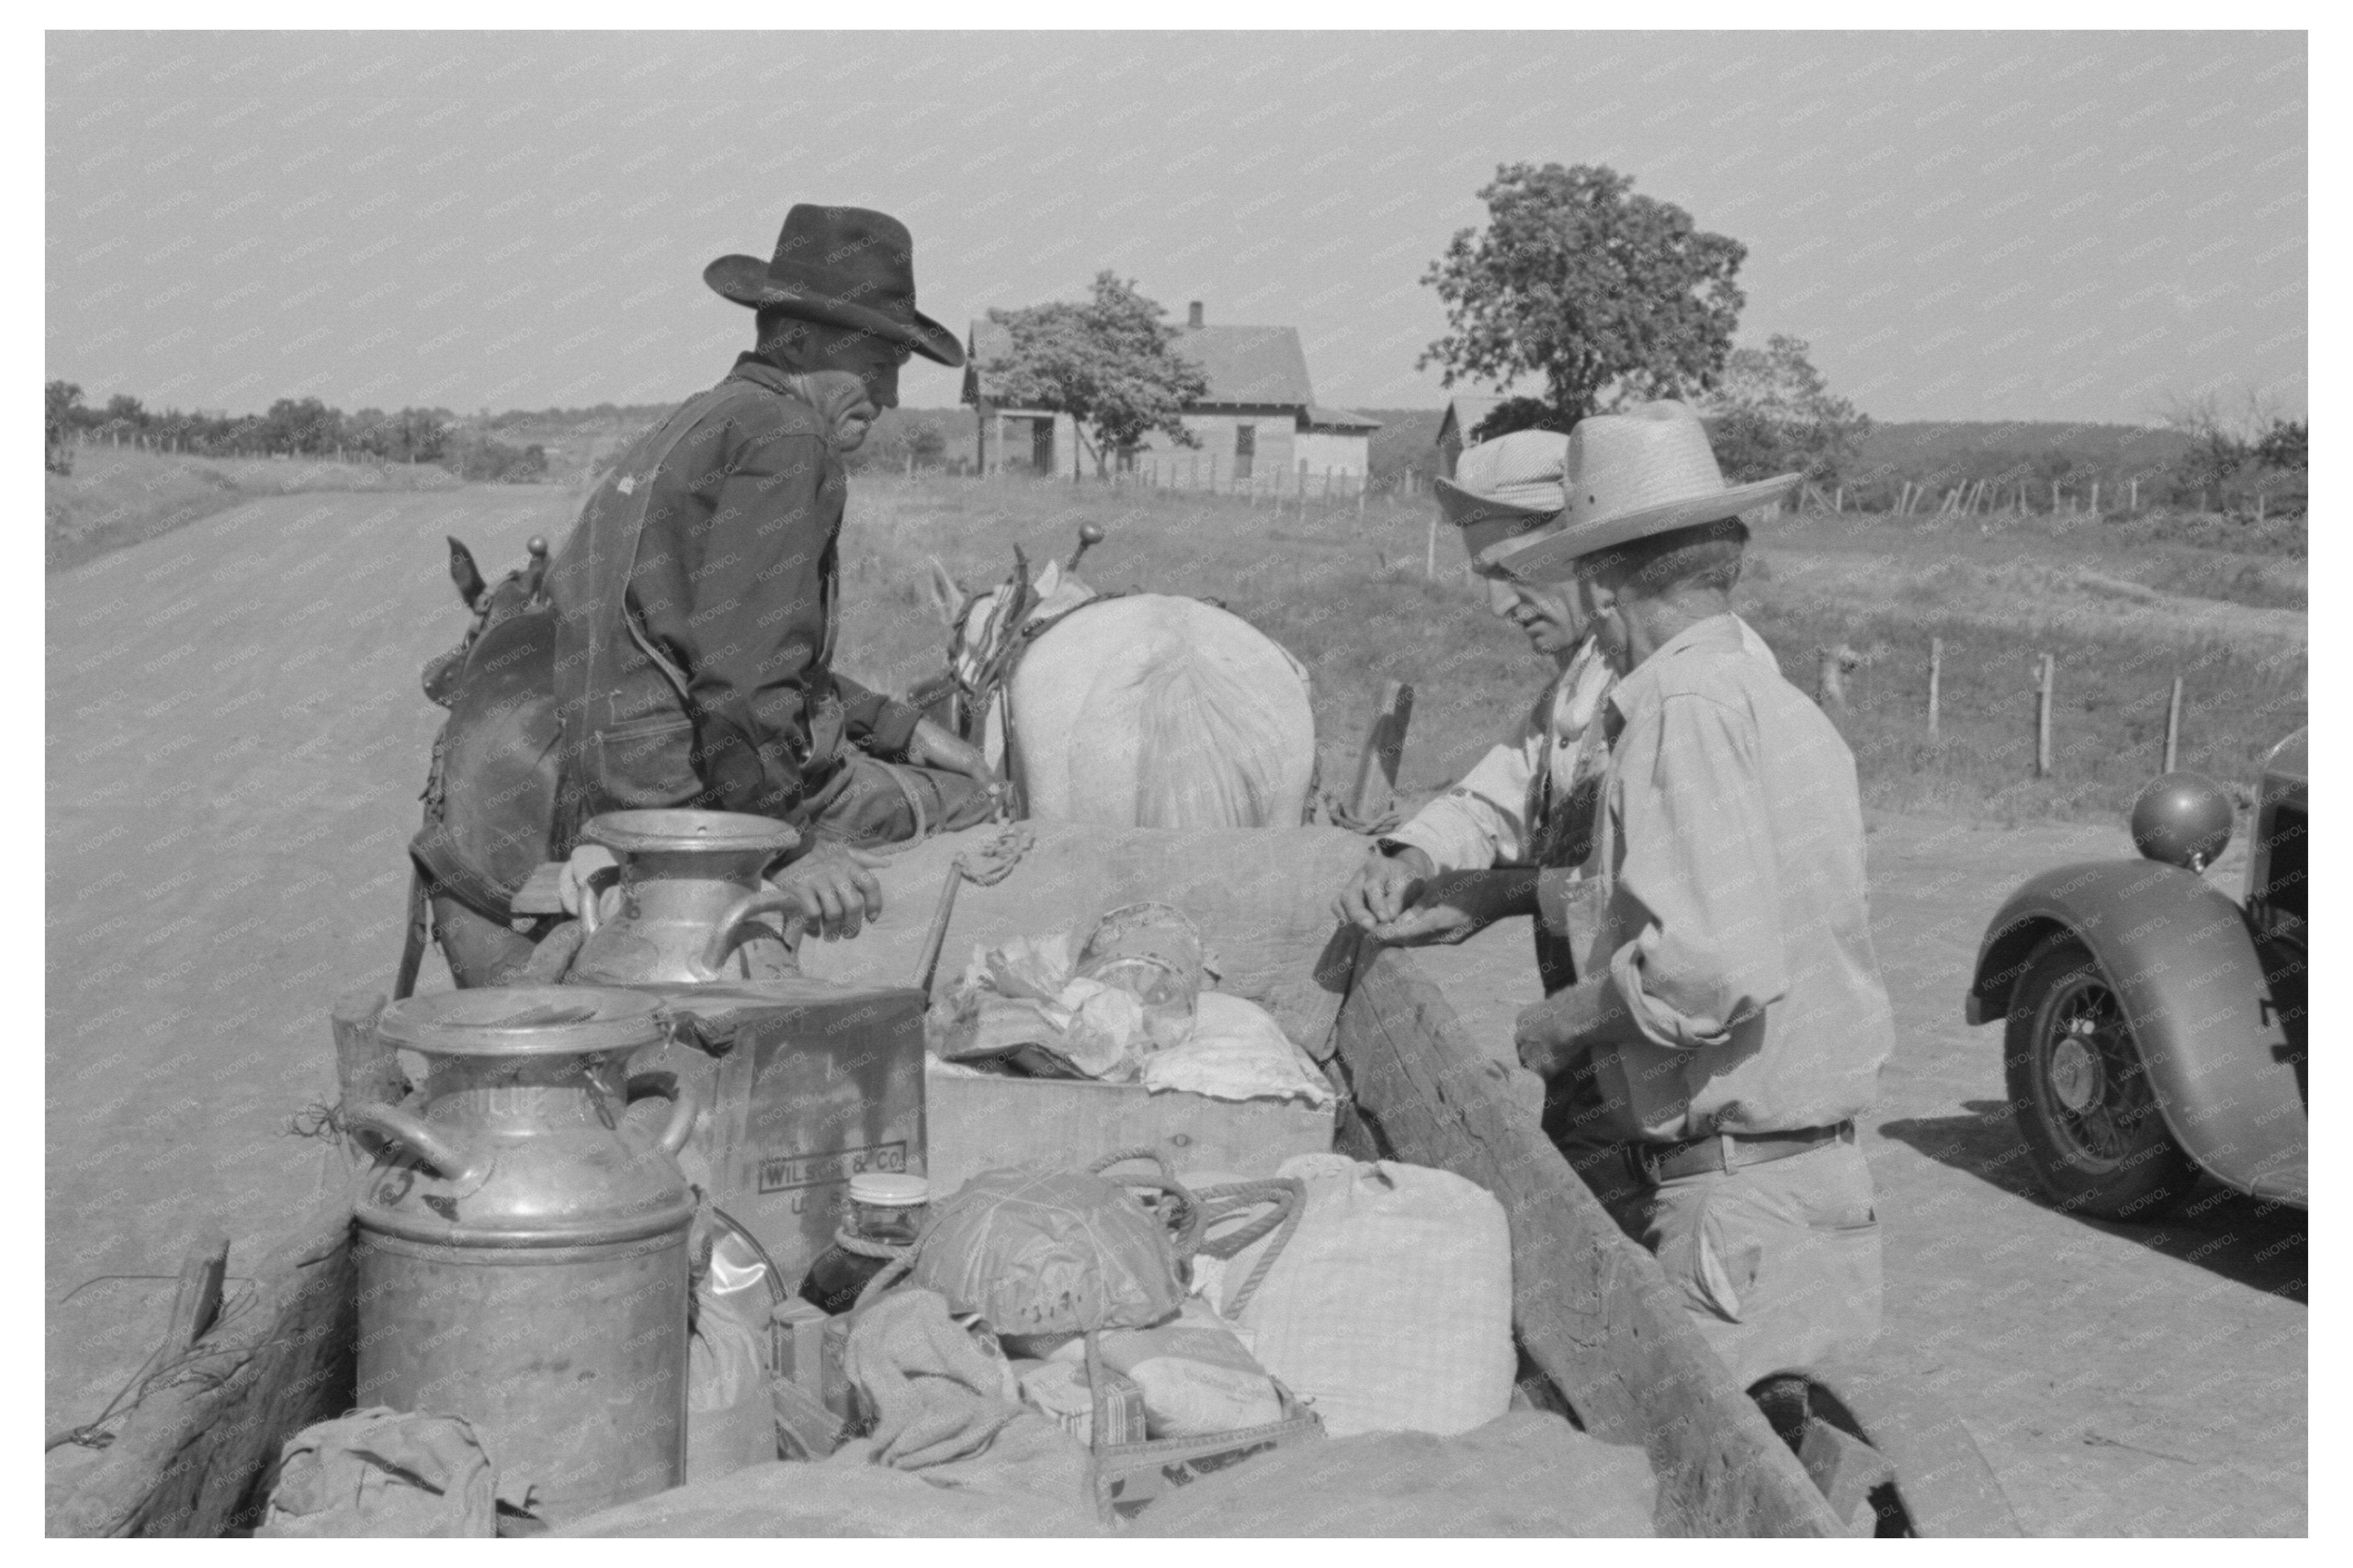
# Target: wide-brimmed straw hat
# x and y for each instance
(1648, 470)
(1505, 488)
(846, 266)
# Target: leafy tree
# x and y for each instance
(1772, 412)
(1110, 364)
(1608, 296)
(306, 426)
(62, 401)
(124, 414)
(2284, 446)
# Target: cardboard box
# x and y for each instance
(1129, 1476)
(819, 1083)
(975, 1124)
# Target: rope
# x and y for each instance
(1336, 812)
(1288, 1193)
(993, 861)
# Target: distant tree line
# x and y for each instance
(293, 426)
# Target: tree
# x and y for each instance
(1772, 412)
(63, 401)
(1608, 296)
(2284, 446)
(1110, 364)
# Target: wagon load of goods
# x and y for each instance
(738, 1253)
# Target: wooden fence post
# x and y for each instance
(2173, 727)
(2134, 503)
(1936, 680)
(1430, 568)
(2042, 718)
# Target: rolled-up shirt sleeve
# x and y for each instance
(1698, 876)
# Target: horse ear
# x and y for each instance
(464, 573)
(947, 596)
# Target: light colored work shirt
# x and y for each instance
(1733, 917)
(1485, 820)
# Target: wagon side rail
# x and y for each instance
(1591, 1308)
(195, 1452)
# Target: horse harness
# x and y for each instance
(1009, 635)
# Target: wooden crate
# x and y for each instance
(975, 1124)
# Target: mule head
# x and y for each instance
(510, 595)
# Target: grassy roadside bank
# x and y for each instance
(121, 496)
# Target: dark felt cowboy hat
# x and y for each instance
(843, 265)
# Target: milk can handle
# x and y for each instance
(725, 935)
(682, 1106)
(404, 1127)
(591, 896)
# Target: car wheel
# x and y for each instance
(2081, 1096)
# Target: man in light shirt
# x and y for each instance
(1528, 803)
(1729, 1021)
(1731, 1011)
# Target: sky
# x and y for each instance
(1989, 226)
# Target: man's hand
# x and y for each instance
(1457, 905)
(933, 746)
(834, 884)
(1384, 888)
(1551, 1035)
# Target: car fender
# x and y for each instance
(2186, 971)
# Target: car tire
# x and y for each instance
(2081, 1094)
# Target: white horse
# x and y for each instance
(1140, 710)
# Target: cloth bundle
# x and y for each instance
(1030, 1004)
(380, 1472)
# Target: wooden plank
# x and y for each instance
(540, 892)
(1590, 1306)
(1377, 764)
(197, 1304)
(975, 1124)
(196, 1453)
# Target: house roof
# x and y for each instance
(1256, 366)
(1320, 417)
(1463, 412)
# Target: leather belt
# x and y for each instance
(1652, 1163)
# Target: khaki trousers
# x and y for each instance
(1777, 1264)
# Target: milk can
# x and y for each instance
(523, 1250)
(691, 907)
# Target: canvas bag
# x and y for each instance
(1390, 1308)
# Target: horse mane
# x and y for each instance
(1210, 750)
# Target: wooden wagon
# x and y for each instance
(1600, 1330)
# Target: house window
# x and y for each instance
(1245, 450)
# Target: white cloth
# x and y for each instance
(1481, 823)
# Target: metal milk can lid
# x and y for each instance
(722, 832)
(524, 1021)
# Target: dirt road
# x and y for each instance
(2122, 1380)
(234, 743)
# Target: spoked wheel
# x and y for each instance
(2082, 1095)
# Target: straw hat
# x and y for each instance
(1648, 470)
(1505, 488)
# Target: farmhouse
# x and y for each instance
(1463, 412)
(1259, 424)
